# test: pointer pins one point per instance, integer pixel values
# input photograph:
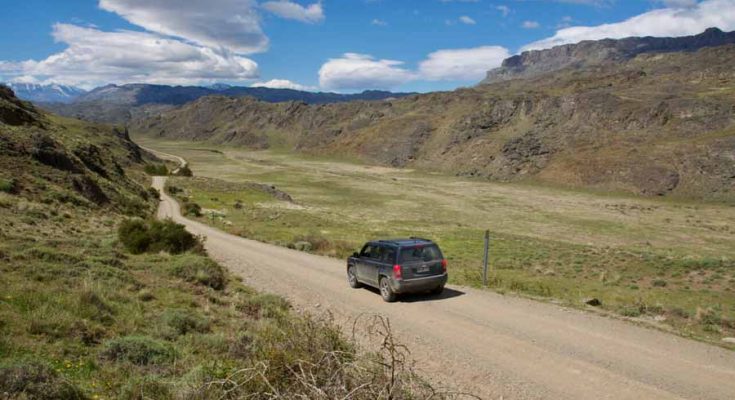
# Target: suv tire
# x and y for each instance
(386, 292)
(352, 278)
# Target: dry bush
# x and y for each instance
(309, 360)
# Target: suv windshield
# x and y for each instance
(420, 253)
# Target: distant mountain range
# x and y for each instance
(118, 103)
(46, 93)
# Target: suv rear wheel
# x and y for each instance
(352, 278)
(386, 291)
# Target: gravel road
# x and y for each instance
(493, 345)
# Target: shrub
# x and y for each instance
(184, 171)
(133, 234)
(659, 283)
(139, 236)
(201, 270)
(9, 186)
(138, 350)
(173, 190)
(34, 380)
(180, 322)
(153, 193)
(156, 169)
(192, 209)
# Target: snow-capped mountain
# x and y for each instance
(46, 93)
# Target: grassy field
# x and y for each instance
(81, 317)
(664, 262)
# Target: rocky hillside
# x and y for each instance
(57, 160)
(118, 104)
(656, 124)
(594, 52)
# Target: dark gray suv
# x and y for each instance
(399, 266)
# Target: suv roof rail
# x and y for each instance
(419, 238)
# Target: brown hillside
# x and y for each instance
(657, 124)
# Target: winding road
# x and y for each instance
(493, 345)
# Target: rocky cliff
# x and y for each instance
(594, 52)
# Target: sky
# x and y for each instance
(328, 45)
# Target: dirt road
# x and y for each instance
(497, 346)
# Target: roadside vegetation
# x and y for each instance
(100, 307)
(99, 301)
(660, 262)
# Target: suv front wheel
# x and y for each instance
(386, 291)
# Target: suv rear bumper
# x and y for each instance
(418, 284)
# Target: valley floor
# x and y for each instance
(663, 262)
(493, 345)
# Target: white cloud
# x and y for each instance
(378, 22)
(462, 64)
(660, 22)
(229, 24)
(530, 25)
(95, 57)
(505, 10)
(467, 20)
(361, 71)
(282, 84)
(286, 9)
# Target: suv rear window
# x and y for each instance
(420, 253)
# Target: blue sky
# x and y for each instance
(345, 45)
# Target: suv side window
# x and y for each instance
(388, 256)
(377, 252)
(367, 251)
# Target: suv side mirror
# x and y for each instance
(355, 255)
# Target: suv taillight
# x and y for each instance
(397, 271)
(444, 265)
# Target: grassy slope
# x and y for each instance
(660, 261)
(82, 318)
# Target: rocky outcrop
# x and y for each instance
(78, 163)
(15, 112)
(533, 63)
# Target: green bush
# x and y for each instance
(133, 234)
(192, 209)
(9, 185)
(138, 350)
(201, 270)
(153, 193)
(180, 322)
(34, 380)
(184, 171)
(156, 169)
(140, 236)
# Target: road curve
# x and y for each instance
(496, 346)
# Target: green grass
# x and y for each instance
(670, 261)
(82, 317)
